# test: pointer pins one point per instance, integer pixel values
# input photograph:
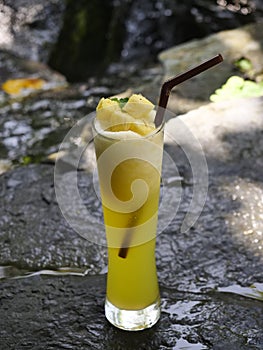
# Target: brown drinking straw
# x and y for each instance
(163, 100)
(127, 239)
(171, 83)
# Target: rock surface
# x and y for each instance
(67, 313)
(29, 28)
(34, 234)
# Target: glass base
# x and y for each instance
(133, 320)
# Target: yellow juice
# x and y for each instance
(132, 282)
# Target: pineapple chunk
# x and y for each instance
(141, 128)
(136, 115)
(150, 117)
(107, 103)
(120, 121)
(104, 111)
(138, 106)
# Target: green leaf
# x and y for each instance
(121, 101)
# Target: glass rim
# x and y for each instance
(141, 137)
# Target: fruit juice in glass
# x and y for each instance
(129, 168)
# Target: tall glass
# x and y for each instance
(129, 169)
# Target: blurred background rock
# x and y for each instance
(83, 38)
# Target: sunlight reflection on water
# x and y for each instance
(248, 217)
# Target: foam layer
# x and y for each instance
(120, 135)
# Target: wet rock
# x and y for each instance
(228, 131)
(226, 242)
(29, 28)
(137, 31)
(31, 129)
(14, 68)
(34, 234)
(244, 42)
(65, 313)
(28, 31)
(83, 41)
(5, 165)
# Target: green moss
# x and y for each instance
(91, 36)
(244, 65)
(34, 159)
(237, 87)
(80, 27)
